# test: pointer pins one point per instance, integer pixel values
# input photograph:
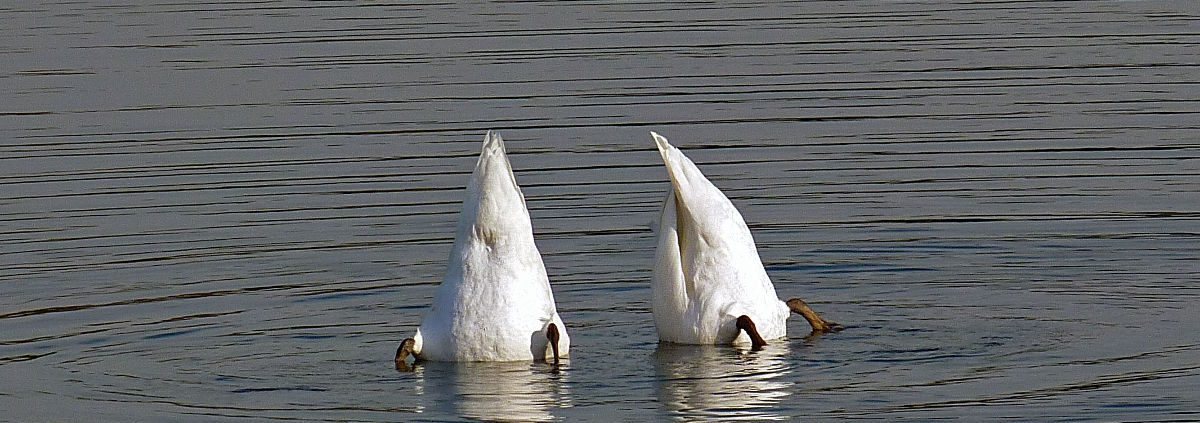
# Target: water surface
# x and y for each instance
(235, 211)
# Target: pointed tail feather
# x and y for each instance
(692, 188)
(493, 164)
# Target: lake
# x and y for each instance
(235, 211)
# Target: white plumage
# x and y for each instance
(707, 270)
(495, 303)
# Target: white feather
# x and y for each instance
(495, 302)
(707, 270)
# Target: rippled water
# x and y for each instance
(235, 211)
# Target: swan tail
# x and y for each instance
(494, 206)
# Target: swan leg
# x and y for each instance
(744, 323)
(402, 353)
(819, 324)
(552, 336)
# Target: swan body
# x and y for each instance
(495, 303)
(708, 274)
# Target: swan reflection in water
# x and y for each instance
(722, 383)
(491, 391)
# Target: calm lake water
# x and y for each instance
(235, 211)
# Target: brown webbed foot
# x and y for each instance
(552, 336)
(744, 323)
(403, 352)
(819, 324)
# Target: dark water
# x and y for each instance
(234, 211)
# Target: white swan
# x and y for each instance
(709, 285)
(495, 303)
